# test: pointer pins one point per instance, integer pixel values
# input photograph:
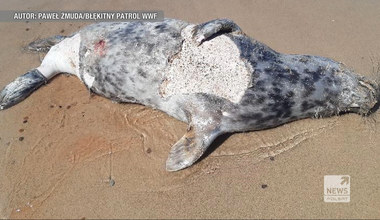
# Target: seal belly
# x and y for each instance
(122, 61)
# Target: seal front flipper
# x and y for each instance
(205, 31)
(193, 144)
(21, 88)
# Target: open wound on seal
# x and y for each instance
(214, 67)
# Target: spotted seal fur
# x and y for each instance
(210, 75)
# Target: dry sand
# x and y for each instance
(61, 168)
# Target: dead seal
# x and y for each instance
(210, 75)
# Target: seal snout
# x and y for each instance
(373, 91)
(364, 97)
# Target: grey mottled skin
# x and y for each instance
(127, 62)
(135, 54)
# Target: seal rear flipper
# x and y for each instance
(208, 30)
(191, 146)
(21, 88)
(44, 45)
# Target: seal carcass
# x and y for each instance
(210, 75)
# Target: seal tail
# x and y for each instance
(63, 57)
(21, 88)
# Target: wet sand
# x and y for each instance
(65, 153)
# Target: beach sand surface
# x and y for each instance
(65, 153)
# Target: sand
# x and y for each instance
(214, 67)
(67, 154)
